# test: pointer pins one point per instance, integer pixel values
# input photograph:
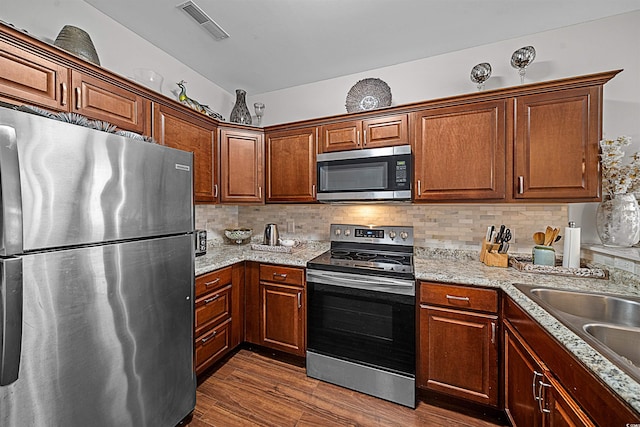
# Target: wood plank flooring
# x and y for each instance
(255, 389)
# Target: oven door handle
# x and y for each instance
(399, 286)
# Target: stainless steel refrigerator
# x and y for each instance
(97, 271)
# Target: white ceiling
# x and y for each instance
(276, 44)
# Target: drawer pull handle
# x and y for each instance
(453, 297)
(282, 276)
(63, 93)
(542, 405)
(213, 282)
(493, 332)
(205, 339)
(213, 298)
(78, 98)
(536, 374)
(520, 185)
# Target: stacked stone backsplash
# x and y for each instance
(214, 219)
(438, 226)
(459, 227)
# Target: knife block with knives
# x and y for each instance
(495, 246)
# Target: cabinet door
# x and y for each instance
(291, 165)
(242, 171)
(186, 132)
(459, 354)
(100, 100)
(523, 372)
(385, 131)
(341, 136)
(31, 79)
(556, 145)
(460, 152)
(282, 323)
(563, 411)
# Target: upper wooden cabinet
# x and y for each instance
(368, 133)
(101, 100)
(191, 132)
(242, 166)
(556, 145)
(32, 79)
(460, 152)
(291, 165)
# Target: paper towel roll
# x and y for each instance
(571, 253)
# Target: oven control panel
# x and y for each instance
(387, 235)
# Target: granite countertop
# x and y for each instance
(464, 268)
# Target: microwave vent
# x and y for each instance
(194, 11)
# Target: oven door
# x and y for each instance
(363, 326)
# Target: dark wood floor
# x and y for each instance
(253, 388)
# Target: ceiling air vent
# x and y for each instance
(194, 11)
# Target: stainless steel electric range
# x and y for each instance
(361, 312)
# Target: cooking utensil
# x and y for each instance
(538, 238)
(554, 235)
(548, 232)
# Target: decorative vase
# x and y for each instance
(618, 221)
(240, 112)
(77, 41)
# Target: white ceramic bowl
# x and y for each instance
(288, 242)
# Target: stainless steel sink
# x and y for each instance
(609, 323)
(596, 307)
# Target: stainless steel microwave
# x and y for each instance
(372, 174)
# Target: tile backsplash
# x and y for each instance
(460, 226)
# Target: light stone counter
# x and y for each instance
(225, 255)
(463, 267)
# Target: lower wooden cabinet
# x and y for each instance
(458, 343)
(533, 397)
(545, 385)
(276, 307)
(219, 308)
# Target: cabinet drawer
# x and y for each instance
(212, 345)
(468, 298)
(280, 274)
(210, 281)
(212, 308)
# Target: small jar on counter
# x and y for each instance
(544, 255)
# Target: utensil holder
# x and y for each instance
(489, 255)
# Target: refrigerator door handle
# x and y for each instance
(10, 193)
(10, 319)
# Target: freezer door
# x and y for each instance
(107, 337)
(67, 185)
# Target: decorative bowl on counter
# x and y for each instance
(289, 243)
(238, 234)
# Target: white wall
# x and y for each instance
(601, 45)
(119, 49)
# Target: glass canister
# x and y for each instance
(544, 255)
